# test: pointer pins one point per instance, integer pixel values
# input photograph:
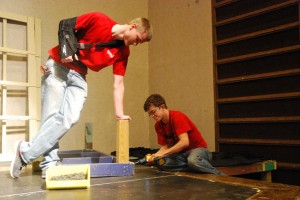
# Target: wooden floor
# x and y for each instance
(146, 183)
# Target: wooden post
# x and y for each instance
(266, 176)
(122, 151)
(88, 136)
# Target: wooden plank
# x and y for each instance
(3, 137)
(257, 33)
(88, 135)
(38, 106)
(4, 31)
(4, 89)
(6, 117)
(15, 83)
(267, 190)
(260, 141)
(32, 93)
(32, 90)
(122, 151)
(259, 97)
(223, 3)
(4, 97)
(266, 176)
(37, 37)
(38, 50)
(258, 54)
(293, 166)
(259, 76)
(30, 35)
(13, 16)
(259, 119)
(14, 51)
(31, 65)
(248, 169)
(256, 12)
(33, 41)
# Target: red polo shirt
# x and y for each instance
(179, 123)
(94, 28)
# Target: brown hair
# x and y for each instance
(156, 100)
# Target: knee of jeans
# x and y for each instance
(194, 160)
(69, 123)
(68, 120)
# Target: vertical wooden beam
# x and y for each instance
(30, 35)
(38, 51)
(266, 176)
(31, 77)
(33, 47)
(4, 88)
(88, 136)
(122, 151)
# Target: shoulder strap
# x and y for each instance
(114, 43)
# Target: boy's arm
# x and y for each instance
(158, 153)
(182, 144)
(118, 97)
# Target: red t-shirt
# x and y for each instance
(94, 28)
(179, 123)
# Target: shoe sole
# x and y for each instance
(16, 152)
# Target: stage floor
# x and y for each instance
(146, 183)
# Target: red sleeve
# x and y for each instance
(119, 67)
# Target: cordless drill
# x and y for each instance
(157, 161)
(144, 160)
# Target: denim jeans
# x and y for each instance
(64, 93)
(196, 160)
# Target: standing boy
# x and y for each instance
(90, 41)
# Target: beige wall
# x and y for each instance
(181, 60)
(177, 64)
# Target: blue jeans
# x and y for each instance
(64, 93)
(194, 160)
(197, 160)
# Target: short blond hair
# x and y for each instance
(143, 25)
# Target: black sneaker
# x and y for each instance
(17, 163)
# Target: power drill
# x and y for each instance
(157, 161)
(144, 160)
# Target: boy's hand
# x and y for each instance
(69, 59)
(124, 117)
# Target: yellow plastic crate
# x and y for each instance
(67, 171)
